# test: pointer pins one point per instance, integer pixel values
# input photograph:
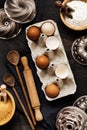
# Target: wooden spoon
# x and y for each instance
(14, 57)
(10, 81)
(65, 9)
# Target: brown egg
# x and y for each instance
(52, 90)
(42, 61)
(33, 33)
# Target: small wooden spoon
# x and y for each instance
(10, 81)
(14, 57)
(65, 9)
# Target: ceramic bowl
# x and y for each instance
(77, 28)
(7, 109)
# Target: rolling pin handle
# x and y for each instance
(24, 61)
(38, 114)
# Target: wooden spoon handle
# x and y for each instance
(25, 112)
(25, 94)
(59, 3)
(64, 8)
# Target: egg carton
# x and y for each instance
(47, 76)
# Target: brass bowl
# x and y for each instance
(7, 109)
(62, 16)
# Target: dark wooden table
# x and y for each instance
(46, 9)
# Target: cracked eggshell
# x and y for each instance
(62, 71)
(48, 28)
(52, 43)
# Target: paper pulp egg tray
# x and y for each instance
(68, 85)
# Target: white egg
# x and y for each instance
(48, 28)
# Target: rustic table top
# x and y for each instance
(46, 9)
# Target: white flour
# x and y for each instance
(79, 15)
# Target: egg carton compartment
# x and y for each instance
(58, 56)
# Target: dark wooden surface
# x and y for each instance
(46, 9)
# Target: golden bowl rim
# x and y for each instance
(13, 109)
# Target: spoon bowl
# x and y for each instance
(9, 80)
(13, 57)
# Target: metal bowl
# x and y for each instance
(79, 50)
(71, 118)
(8, 28)
(81, 103)
(20, 11)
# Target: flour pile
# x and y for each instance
(79, 15)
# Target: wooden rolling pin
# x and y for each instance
(33, 95)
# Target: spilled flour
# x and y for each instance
(79, 15)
